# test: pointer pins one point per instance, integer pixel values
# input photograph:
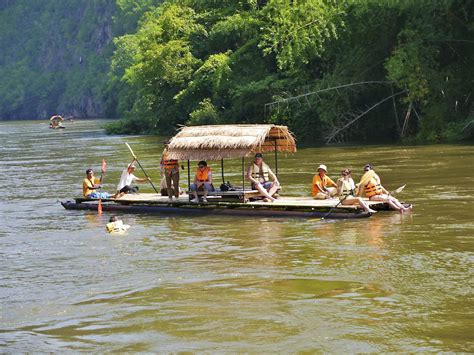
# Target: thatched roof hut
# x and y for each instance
(217, 142)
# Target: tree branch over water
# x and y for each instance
(271, 105)
(339, 130)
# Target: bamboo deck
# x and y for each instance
(149, 198)
(283, 207)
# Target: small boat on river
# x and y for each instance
(55, 122)
(219, 142)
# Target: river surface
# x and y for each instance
(391, 283)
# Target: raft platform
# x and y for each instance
(217, 205)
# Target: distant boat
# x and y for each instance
(55, 122)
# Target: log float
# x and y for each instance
(283, 207)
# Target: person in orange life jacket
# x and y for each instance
(259, 174)
(346, 190)
(323, 187)
(370, 184)
(202, 181)
(90, 184)
(170, 169)
(126, 180)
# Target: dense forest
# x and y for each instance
(333, 71)
(54, 57)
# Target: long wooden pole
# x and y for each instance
(102, 172)
(222, 170)
(243, 179)
(141, 167)
(189, 181)
(276, 159)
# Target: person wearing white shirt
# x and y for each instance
(126, 180)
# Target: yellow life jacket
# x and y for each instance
(110, 227)
(262, 175)
(373, 188)
(116, 227)
(346, 189)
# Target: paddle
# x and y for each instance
(102, 171)
(140, 165)
(396, 191)
(329, 212)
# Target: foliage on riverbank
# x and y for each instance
(333, 71)
(200, 62)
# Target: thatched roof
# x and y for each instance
(229, 141)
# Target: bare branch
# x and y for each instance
(327, 89)
(467, 125)
(334, 134)
(407, 118)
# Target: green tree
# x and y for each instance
(203, 61)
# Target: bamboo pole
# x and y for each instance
(189, 181)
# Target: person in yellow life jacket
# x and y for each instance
(170, 169)
(202, 182)
(259, 174)
(90, 184)
(323, 187)
(116, 225)
(346, 190)
(373, 189)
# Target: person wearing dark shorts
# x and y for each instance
(126, 180)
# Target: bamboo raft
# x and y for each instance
(216, 205)
(219, 142)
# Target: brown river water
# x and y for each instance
(390, 283)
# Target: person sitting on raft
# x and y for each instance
(124, 186)
(259, 174)
(202, 182)
(370, 184)
(323, 187)
(90, 184)
(164, 189)
(346, 189)
(116, 225)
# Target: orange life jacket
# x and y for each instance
(203, 175)
(169, 164)
(373, 188)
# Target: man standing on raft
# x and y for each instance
(170, 169)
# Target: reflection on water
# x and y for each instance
(391, 283)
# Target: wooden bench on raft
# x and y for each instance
(229, 195)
